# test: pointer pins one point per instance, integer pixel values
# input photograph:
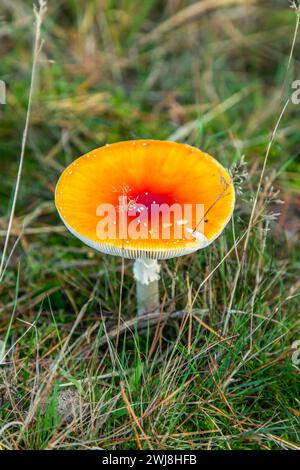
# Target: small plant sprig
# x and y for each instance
(239, 174)
(295, 5)
(270, 197)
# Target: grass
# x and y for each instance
(215, 372)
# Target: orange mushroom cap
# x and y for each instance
(145, 173)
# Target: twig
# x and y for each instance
(141, 321)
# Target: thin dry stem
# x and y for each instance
(39, 16)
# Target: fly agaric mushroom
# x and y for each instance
(145, 200)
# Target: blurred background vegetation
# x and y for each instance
(213, 74)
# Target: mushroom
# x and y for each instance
(146, 200)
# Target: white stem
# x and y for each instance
(146, 274)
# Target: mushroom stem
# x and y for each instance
(146, 274)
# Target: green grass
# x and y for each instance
(102, 78)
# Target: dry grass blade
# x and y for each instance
(190, 13)
(39, 16)
(134, 417)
